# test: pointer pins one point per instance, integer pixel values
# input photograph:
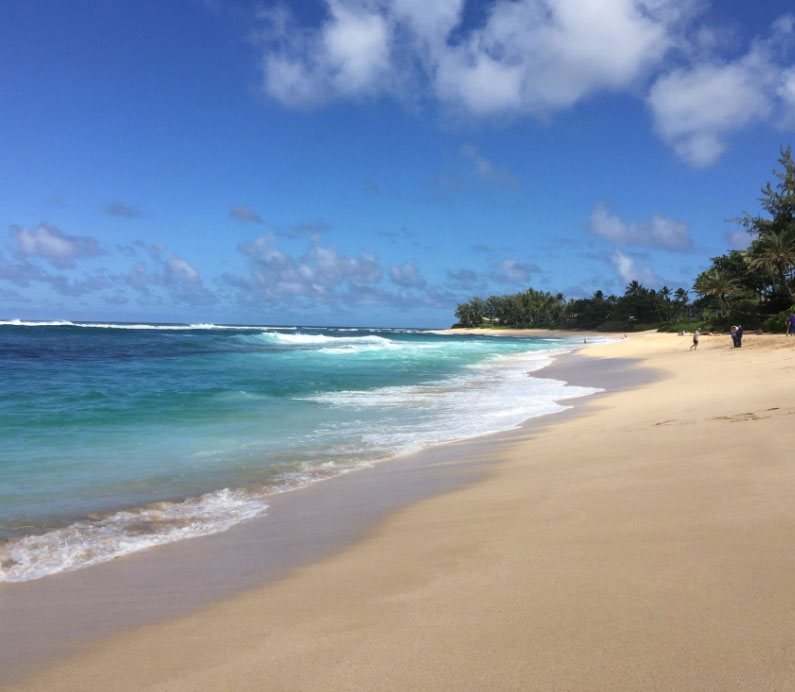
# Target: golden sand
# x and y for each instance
(647, 545)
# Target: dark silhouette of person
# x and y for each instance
(739, 341)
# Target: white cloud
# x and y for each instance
(318, 274)
(357, 46)
(60, 249)
(430, 21)
(174, 276)
(527, 56)
(697, 108)
(536, 57)
(179, 271)
(331, 267)
(406, 275)
(322, 275)
(628, 270)
(25, 273)
(786, 92)
(347, 56)
(657, 232)
(511, 271)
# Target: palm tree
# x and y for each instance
(680, 301)
(718, 284)
(773, 252)
(664, 296)
(634, 288)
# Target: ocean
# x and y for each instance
(120, 437)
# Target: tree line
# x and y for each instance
(755, 287)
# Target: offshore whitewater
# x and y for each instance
(118, 437)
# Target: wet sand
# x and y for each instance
(644, 545)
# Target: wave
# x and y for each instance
(325, 344)
(21, 323)
(92, 542)
(494, 396)
(123, 325)
(88, 543)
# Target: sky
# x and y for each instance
(374, 162)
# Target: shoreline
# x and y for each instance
(75, 542)
(643, 545)
(80, 606)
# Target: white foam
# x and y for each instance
(161, 327)
(493, 396)
(21, 323)
(88, 543)
(331, 345)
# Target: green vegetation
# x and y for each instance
(754, 287)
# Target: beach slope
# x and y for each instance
(646, 545)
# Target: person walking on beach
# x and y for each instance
(733, 332)
(739, 341)
(790, 323)
(695, 340)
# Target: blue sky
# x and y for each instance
(363, 162)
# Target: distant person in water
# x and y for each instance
(790, 323)
(739, 342)
(695, 340)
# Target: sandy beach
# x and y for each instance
(644, 545)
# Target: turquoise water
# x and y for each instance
(120, 437)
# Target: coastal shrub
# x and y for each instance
(775, 324)
(691, 326)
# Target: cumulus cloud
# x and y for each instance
(629, 270)
(786, 92)
(319, 274)
(58, 248)
(406, 275)
(180, 271)
(244, 214)
(126, 211)
(323, 275)
(511, 271)
(24, 273)
(348, 55)
(697, 108)
(165, 276)
(527, 56)
(535, 57)
(657, 232)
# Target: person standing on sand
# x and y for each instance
(739, 342)
(695, 340)
(790, 324)
(733, 332)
